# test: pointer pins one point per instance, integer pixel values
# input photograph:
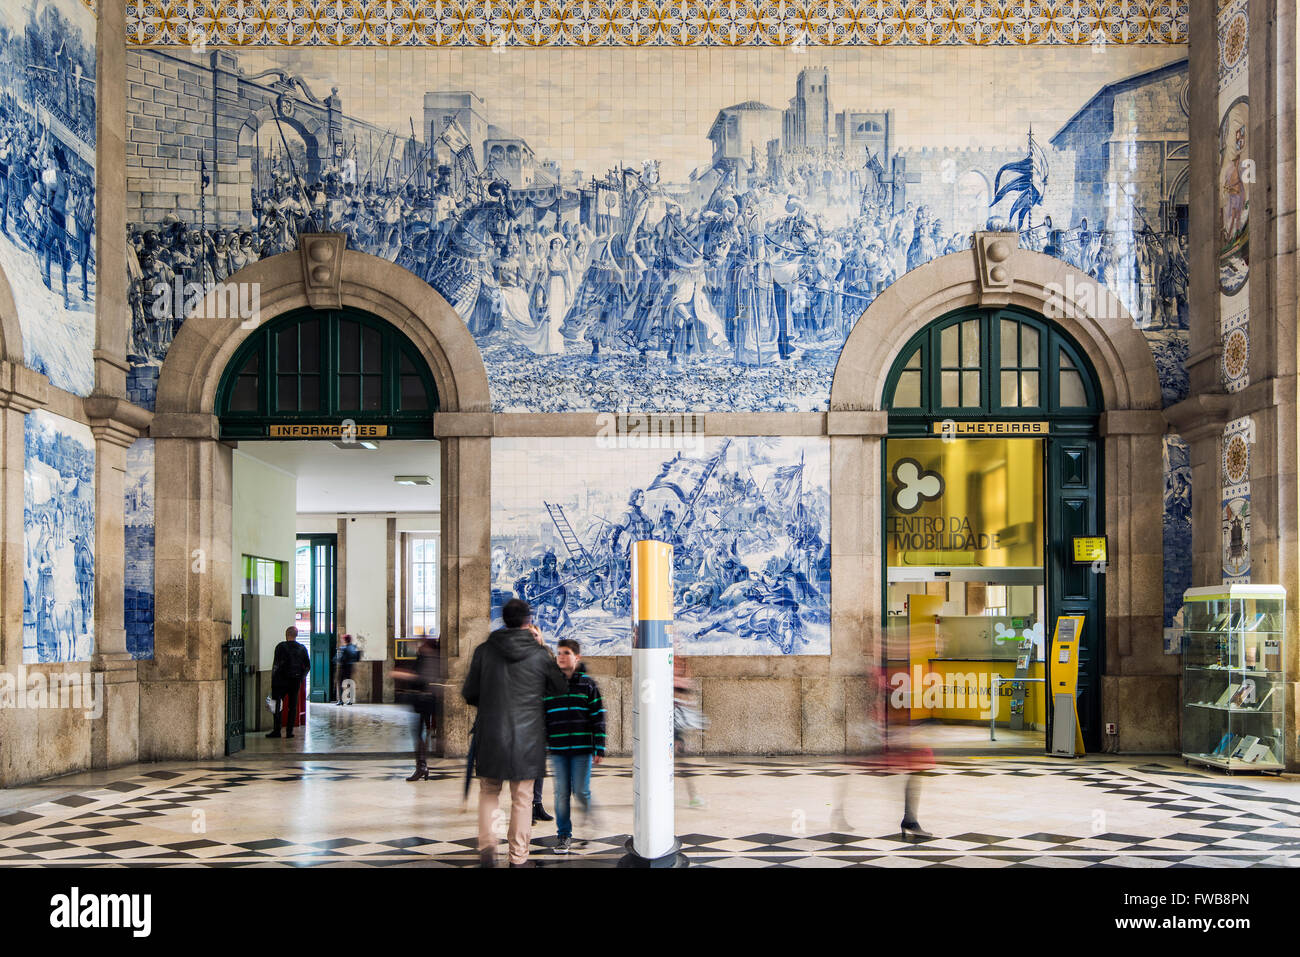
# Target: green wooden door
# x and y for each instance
(320, 577)
(1073, 509)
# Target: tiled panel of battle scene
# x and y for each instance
(748, 519)
(47, 183)
(661, 230)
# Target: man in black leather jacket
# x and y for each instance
(288, 668)
(509, 676)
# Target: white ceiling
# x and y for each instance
(333, 480)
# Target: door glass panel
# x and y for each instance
(370, 393)
(309, 345)
(1029, 388)
(287, 393)
(970, 344)
(1028, 348)
(970, 388)
(1008, 336)
(948, 382)
(244, 398)
(1010, 396)
(1070, 385)
(302, 588)
(948, 346)
(310, 392)
(414, 397)
(349, 347)
(287, 350)
(907, 394)
(371, 353)
(349, 392)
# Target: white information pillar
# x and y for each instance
(654, 842)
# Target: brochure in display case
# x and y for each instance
(1233, 645)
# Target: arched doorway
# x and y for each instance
(182, 689)
(324, 394)
(1139, 688)
(991, 467)
(314, 372)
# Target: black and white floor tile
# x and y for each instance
(775, 812)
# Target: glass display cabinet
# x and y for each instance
(1234, 715)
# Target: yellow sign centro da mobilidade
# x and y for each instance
(969, 502)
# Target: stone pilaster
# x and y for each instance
(112, 309)
(857, 563)
(114, 736)
(466, 523)
(1140, 683)
(182, 691)
(21, 391)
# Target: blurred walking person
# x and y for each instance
(509, 676)
(346, 658)
(419, 688)
(897, 753)
(687, 717)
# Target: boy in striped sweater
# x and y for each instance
(575, 733)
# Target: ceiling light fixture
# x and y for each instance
(413, 479)
(364, 444)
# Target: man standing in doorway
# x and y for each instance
(290, 665)
(347, 657)
(509, 676)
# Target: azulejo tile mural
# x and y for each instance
(1177, 525)
(138, 582)
(748, 519)
(47, 183)
(59, 540)
(548, 23)
(649, 232)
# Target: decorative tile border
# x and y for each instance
(578, 23)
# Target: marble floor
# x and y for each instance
(984, 811)
(341, 729)
(385, 729)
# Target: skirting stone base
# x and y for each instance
(1146, 710)
(182, 720)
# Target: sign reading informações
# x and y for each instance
(331, 431)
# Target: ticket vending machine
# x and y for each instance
(1067, 737)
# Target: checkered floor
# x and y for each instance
(788, 812)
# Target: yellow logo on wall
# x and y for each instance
(971, 502)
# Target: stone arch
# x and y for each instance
(1090, 312)
(182, 704)
(188, 380)
(1137, 692)
(312, 130)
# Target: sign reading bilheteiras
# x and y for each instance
(950, 427)
(328, 431)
